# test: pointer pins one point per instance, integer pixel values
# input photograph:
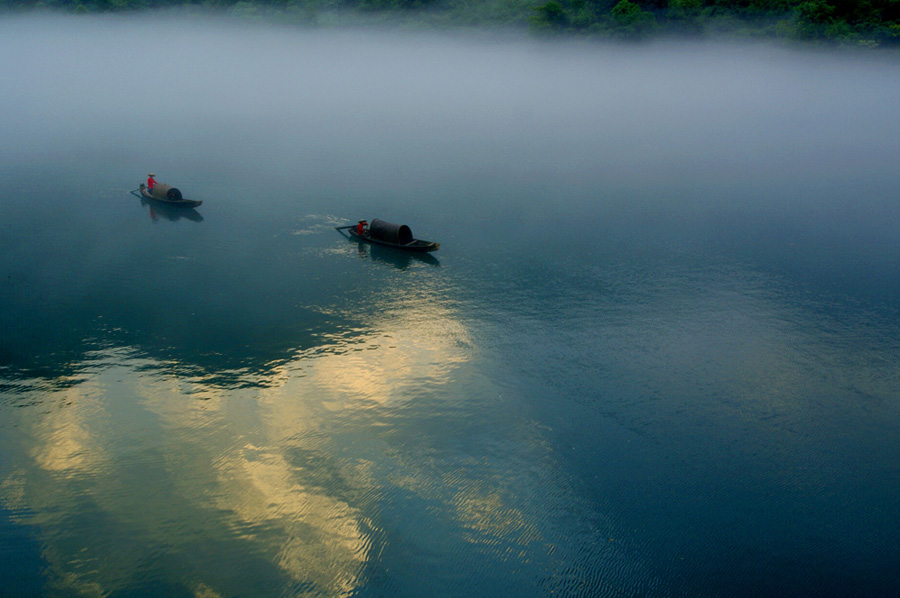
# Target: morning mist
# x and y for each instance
(656, 353)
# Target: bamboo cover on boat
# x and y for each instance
(163, 191)
(390, 232)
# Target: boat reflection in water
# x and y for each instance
(159, 210)
(398, 259)
(395, 257)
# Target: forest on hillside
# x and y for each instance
(867, 23)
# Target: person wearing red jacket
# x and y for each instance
(151, 182)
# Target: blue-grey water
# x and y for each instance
(655, 355)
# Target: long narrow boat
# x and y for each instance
(389, 234)
(167, 195)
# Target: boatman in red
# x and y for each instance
(151, 182)
(361, 227)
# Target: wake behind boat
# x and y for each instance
(388, 234)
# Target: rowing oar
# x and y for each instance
(344, 227)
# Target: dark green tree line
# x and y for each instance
(849, 22)
(859, 22)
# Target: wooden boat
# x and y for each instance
(389, 234)
(167, 195)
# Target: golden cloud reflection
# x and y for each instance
(70, 445)
(316, 537)
(130, 471)
(379, 367)
(276, 479)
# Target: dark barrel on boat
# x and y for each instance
(163, 191)
(390, 232)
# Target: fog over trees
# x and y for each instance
(867, 23)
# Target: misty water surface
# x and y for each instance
(655, 355)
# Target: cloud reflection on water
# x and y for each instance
(279, 468)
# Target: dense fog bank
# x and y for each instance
(317, 105)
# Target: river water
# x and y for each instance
(655, 355)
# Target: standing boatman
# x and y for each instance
(151, 182)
